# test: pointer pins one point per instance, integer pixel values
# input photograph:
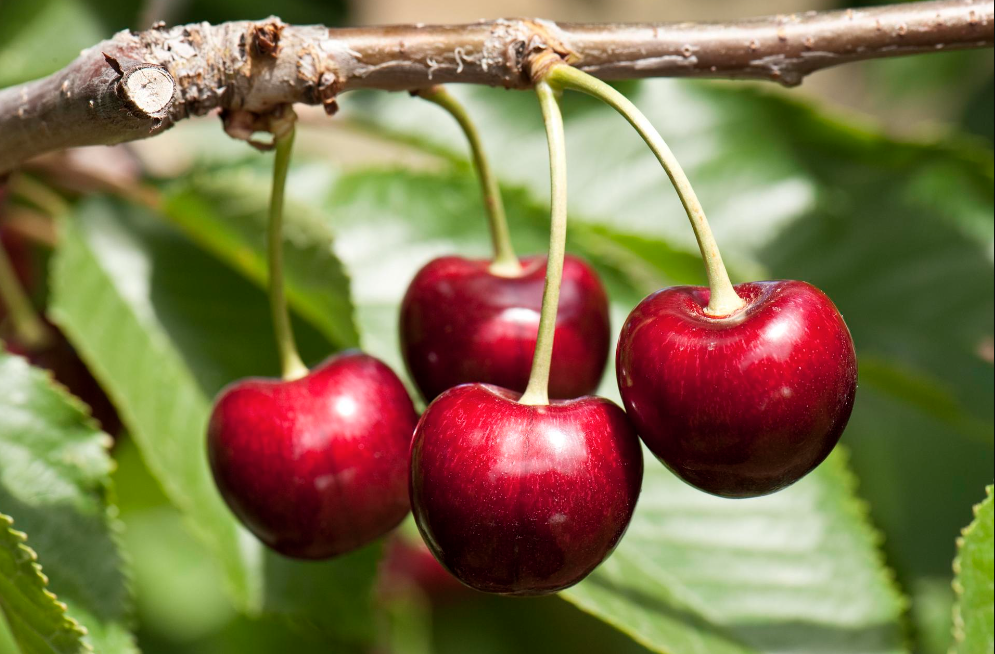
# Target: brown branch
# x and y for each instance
(135, 85)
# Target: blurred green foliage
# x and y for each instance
(963, 82)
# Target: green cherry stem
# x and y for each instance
(505, 263)
(28, 326)
(537, 391)
(724, 300)
(290, 361)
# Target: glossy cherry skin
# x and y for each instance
(317, 466)
(522, 500)
(461, 323)
(743, 405)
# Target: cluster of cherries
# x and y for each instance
(527, 495)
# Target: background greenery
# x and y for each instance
(162, 299)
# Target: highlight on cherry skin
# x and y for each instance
(740, 405)
(316, 466)
(461, 322)
(522, 499)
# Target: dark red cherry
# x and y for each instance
(518, 499)
(316, 466)
(742, 405)
(462, 323)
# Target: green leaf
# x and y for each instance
(36, 617)
(774, 574)
(164, 326)
(38, 38)
(973, 618)
(179, 586)
(55, 483)
(227, 215)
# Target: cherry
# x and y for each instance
(461, 322)
(315, 466)
(314, 463)
(739, 405)
(739, 390)
(522, 499)
(465, 320)
(406, 564)
(514, 493)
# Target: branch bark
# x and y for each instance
(138, 84)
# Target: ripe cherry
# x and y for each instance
(316, 466)
(522, 499)
(461, 322)
(517, 494)
(739, 390)
(739, 405)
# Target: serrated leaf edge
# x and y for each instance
(115, 526)
(958, 619)
(34, 569)
(860, 509)
(852, 504)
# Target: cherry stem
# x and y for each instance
(505, 263)
(39, 195)
(537, 391)
(290, 361)
(723, 299)
(28, 326)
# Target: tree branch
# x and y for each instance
(137, 84)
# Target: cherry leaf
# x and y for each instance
(55, 486)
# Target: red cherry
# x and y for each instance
(462, 323)
(519, 499)
(316, 466)
(742, 405)
(408, 563)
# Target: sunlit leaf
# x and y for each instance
(55, 486)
